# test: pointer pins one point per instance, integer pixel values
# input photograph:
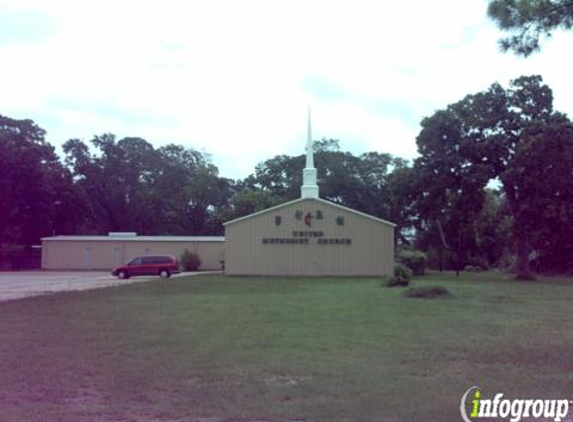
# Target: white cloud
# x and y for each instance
(232, 78)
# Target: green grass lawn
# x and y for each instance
(213, 348)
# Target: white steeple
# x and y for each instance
(309, 187)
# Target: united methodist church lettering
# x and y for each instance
(306, 237)
(305, 241)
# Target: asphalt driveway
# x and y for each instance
(20, 284)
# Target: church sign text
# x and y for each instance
(305, 238)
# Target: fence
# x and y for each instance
(21, 260)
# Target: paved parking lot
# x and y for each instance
(20, 284)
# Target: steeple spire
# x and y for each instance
(309, 148)
(309, 187)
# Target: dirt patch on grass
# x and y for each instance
(85, 397)
(427, 292)
(285, 381)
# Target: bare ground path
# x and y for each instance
(21, 284)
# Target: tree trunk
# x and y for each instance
(522, 252)
(442, 245)
(459, 254)
(520, 233)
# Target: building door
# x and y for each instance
(88, 256)
(117, 256)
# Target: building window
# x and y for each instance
(340, 221)
(88, 256)
(278, 220)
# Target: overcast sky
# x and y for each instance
(235, 78)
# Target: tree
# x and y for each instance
(402, 186)
(486, 236)
(542, 172)
(35, 186)
(188, 191)
(478, 138)
(450, 188)
(281, 175)
(492, 237)
(529, 20)
(249, 202)
(208, 193)
(129, 185)
(117, 183)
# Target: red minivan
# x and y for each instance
(161, 265)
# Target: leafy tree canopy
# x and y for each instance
(129, 185)
(34, 185)
(529, 20)
(480, 138)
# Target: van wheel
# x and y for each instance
(164, 274)
(122, 275)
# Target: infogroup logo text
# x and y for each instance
(512, 409)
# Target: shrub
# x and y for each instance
(508, 263)
(473, 269)
(481, 263)
(433, 259)
(402, 276)
(414, 260)
(427, 292)
(17, 257)
(189, 261)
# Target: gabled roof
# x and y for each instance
(319, 200)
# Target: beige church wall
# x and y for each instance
(79, 255)
(371, 252)
(105, 255)
(211, 254)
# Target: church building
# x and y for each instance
(309, 236)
